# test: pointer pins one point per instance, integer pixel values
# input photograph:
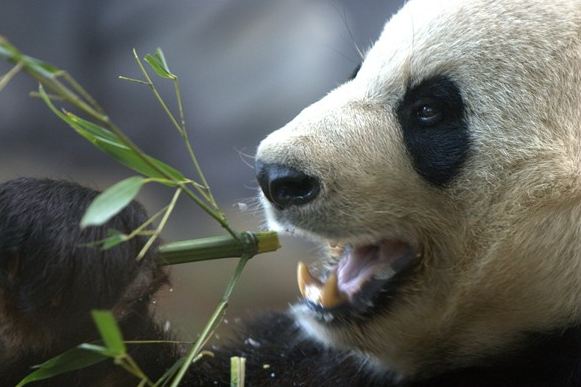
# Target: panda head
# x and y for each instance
(446, 179)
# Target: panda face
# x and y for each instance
(444, 178)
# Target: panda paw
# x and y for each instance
(50, 276)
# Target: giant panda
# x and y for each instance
(443, 182)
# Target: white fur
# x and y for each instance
(502, 244)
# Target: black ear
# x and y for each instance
(49, 277)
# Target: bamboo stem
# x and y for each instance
(161, 225)
(9, 75)
(180, 128)
(217, 247)
(214, 321)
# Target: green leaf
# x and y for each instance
(110, 332)
(47, 70)
(159, 65)
(111, 201)
(73, 359)
(109, 143)
(87, 129)
(8, 51)
(114, 238)
(131, 160)
(94, 130)
(159, 53)
(98, 349)
(168, 170)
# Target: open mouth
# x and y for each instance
(358, 276)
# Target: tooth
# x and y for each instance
(327, 295)
(307, 283)
(336, 249)
(331, 296)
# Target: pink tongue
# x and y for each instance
(359, 265)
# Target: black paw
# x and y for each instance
(49, 278)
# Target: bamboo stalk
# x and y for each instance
(237, 371)
(217, 247)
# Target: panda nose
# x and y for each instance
(285, 186)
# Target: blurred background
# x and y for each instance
(246, 68)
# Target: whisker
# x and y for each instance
(246, 158)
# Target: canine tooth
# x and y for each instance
(307, 283)
(330, 294)
(327, 295)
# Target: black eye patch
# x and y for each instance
(435, 132)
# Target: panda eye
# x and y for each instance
(432, 116)
(428, 114)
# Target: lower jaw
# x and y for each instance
(386, 360)
(332, 334)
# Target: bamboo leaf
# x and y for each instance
(73, 359)
(169, 170)
(110, 332)
(95, 130)
(8, 51)
(159, 65)
(41, 67)
(111, 201)
(114, 238)
(130, 159)
(109, 143)
(159, 53)
(97, 349)
(87, 129)
(11, 53)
